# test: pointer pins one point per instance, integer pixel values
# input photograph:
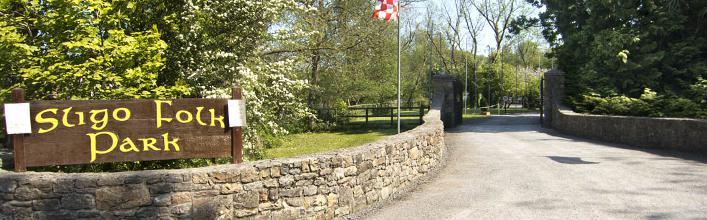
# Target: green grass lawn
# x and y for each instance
(469, 117)
(309, 143)
(378, 127)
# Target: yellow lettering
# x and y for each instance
(125, 111)
(149, 144)
(80, 114)
(94, 148)
(167, 142)
(198, 115)
(158, 105)
(99, 124)
(40, 119)
(124, 146)
(214, 119)
(180, 119)
(65, 118)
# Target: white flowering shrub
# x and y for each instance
(220, 45)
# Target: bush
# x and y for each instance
(650, 104)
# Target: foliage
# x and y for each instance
(616, 49)
(79, 50)
(649, 104)
(131, 166)
(99, 49)
(274, 100)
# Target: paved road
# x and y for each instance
(507, 167)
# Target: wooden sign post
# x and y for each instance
(18, 148)
(237, 132)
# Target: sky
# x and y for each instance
(419, 10)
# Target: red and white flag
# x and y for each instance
(386, 10)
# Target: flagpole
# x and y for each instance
(398, 18)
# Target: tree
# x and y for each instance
(97, 49)
(623, 48)
(498, 15)
(474, 25)
(80, 50)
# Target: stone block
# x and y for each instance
(339, 173)
(319, 200)
(162, 200)
(224, 177)
(249, 175)
(295, 202)
(305, 166)
(53, 215)
(181, 210)
(45, 204)
(304, 182)
(385, 192)
(310, 190)
(88, 214)
(286, 181)
(181, 198)
(173, 178)
(346, 196)
(295, 171)
(182, 187)
(264, 173)
(292, 192)
(247, 200)
(77, 201)
(7, 185)
(306, 176)
(109, 181)
(230, 188)
(270, 183)
(25, 193)
(85, 182)
(122, 197)
(273, 194)
(275, 172)
(205, 193)
(160, 188)
(20, 203)
(253, 186)
(332, 200)
(199, 178)
(147, 213)
(270, 206)
(241, 213)
(212, 208)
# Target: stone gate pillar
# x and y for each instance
(447, 97)
(553, 93)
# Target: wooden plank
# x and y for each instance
(236, 133)
(188, 121)
(18, 150)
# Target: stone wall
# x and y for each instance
(667, 133)
(321, 186)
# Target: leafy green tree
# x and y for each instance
(621, 48)
(80, 50)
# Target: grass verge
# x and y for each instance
(309, 143)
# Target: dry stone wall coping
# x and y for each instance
(325, 185)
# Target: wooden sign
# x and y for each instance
(83, 132)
